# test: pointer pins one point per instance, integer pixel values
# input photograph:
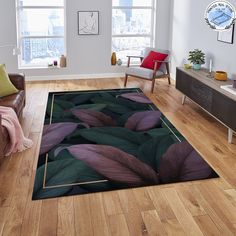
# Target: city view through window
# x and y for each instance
(40, 31)
(132, 27)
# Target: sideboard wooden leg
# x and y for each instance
(230, 135)
(183, 99)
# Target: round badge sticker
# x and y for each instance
(220, 15)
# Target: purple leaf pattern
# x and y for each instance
(54, 134)
(143, 121)
(93, 118)
(182, 163)
(136, 97)
(115, 164)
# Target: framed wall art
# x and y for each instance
(226, 36)
(88, 22)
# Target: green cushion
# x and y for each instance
(6, 86)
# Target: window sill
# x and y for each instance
(42, 67)
(125, 65)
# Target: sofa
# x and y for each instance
(17, 102)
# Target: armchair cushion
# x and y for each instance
(6, 88)
(148, 61)
(142, 72)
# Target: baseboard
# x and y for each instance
(172, 76)
(73, 77)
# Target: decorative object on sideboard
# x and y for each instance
(113, 59)
(210, 74)
(234, 84)
(197, 58)
(62, 61)
(55, 63)
(221, 75)
(88, 22)
(226, 36)
(119, 62)
(186, 64)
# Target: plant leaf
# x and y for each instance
(94, 118)
(92, 107)
(63, 172)
(142, 121)
(82, 98)
(112, 106)
(182, 163)
(115, 164)
(122, 119)
(136, 97)
(152, 151)
(65, 105)
(121, 138)
(54, 134)
(158, 132)
(56, 107)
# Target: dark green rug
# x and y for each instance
(108, 140)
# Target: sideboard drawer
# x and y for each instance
(224, 109)
(183, 83)
(201, 94)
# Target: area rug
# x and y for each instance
(107, 140)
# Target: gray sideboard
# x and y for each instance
(209, 95)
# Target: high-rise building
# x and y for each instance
(128, 13)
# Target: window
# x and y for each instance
(132, 26)
(41, 30)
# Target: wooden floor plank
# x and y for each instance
(153, 223)
(83, 222)
(143, 199)
(98, 217)
(49, 213)
(112, 203)
(161, 204)
(4, 212)
(15, 217)
(173, 227)
(118, 225)
(31, 219)
(222, 224)
(132, 213)
(66, 217)
(207, 226)
(190, 201)
(8, 179)
(183, 215)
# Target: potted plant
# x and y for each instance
(197, 57)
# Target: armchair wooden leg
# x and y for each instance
(169, 80)
(126, 78)
(153, 85)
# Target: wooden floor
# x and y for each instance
(194, 208)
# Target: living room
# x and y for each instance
(97, 147)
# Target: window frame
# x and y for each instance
(152, 34)
(20, 37)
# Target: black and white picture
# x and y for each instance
(88, 22)
(226, 36)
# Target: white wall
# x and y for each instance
(190, 31)
(86, 55)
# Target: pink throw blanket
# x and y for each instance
(18, 142)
